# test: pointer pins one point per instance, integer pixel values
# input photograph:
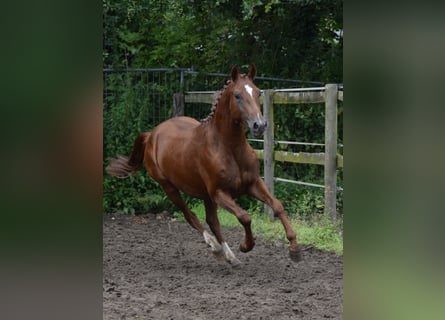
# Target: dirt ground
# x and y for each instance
(157, 268)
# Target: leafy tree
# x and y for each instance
(299, 39)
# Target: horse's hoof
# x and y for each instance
(235, 263)
(244, 248)
(296, 255)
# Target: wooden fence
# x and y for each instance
(331, 159)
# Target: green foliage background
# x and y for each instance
(288, 39)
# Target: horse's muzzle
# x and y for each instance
(257, 128)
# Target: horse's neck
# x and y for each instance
(230, 131)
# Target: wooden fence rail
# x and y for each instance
(331, 159)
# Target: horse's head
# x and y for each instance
(245, 101)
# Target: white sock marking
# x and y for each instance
(211, 241)
(229, 254)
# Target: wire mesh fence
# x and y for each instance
(137, 100)
(149, 92)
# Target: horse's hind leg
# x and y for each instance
(226, 202)
(213, 222)
(174, 195)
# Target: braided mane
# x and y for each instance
(216, 98)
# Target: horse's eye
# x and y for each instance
(260, 93)
(238, 96)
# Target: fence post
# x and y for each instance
(330, 166)
(268, 147)
(181, 81)
(178, 104)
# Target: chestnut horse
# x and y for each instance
(211, 160)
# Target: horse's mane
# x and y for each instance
(216, 98)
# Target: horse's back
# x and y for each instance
(173, 134)
(179, 123)
(176, 129)
(171, 155)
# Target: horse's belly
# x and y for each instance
(182, 171)
(188, 181)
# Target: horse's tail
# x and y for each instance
(121, 166)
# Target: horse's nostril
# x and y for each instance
(255, 125)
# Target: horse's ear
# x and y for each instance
(252, 72)
(235, 72)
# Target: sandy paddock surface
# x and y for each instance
(157, 268)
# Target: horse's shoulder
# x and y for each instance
(249, 155)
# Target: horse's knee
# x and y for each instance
(277, 208)
(245, 219)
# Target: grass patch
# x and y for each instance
(323, 234)
(319, 231)
(226, 219)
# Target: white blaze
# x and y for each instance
(248, 89)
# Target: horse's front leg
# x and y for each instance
(225, 201)
(259, 191)
(222, 248)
